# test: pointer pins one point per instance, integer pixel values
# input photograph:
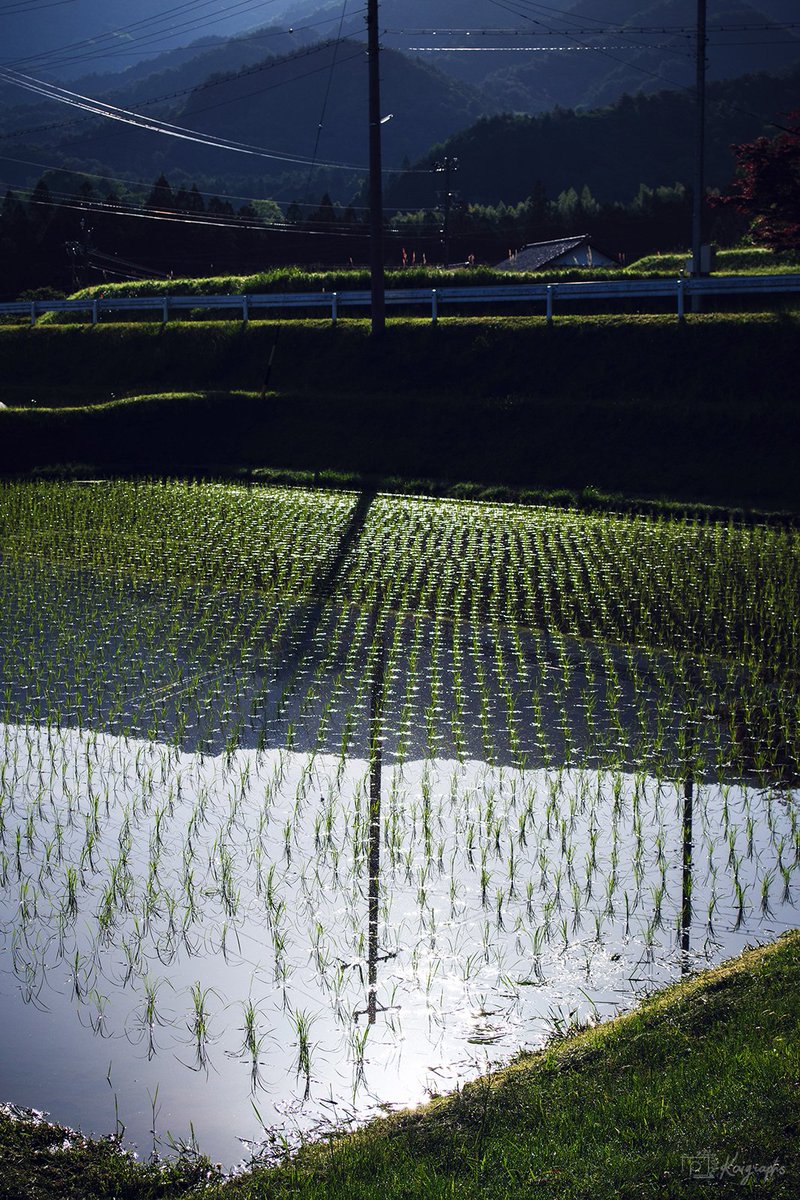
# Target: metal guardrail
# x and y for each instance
(548, 295)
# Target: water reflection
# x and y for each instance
(136, 665)
(375, 775)
(211, 911)
(218, 828)
(686, 875)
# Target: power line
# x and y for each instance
(214, 220)
(11, 10)
(153, 125)
(336, 44)
(269, 65)
(527, 49)
(205, 46)
(114, 180)
(109, 111)
(623, 62)
(505, 31)
(98, 44)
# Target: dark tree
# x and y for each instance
(767, 187)
(161, 196)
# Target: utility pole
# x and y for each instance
(700, 143)
(447, 166)
(375, 173)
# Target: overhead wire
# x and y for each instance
(684, 32)
(209, 44)
(214, 220)
(273, 63)
(496, 31)
(10, 10)
(528, 5)
(325, 98)
(526, 15)
(96, 46)
(113, 112)
(109, 111)
(117, 180)
(125, 116)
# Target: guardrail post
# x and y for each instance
(549, 304)
(334, 308)
(245, 310)
(681, 299)
(33, 312)
(165, 310)
(94, 312)
(434, 307)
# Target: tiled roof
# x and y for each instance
(539, 254)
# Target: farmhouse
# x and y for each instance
(561, 252)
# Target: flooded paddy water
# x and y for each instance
(314, 804)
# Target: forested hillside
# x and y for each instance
(287, 114)
(640, 139)
(531, 57)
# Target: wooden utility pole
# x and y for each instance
(446, 167)
(700, 142)
(375, 173)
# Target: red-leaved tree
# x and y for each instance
(767, 187)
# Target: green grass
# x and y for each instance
(704, 413)
(645, 449)
(41, 1160)
(294, 279)
(607, 357)
(748, 260)
(707, 1066)
(703, 1072)
(588, 499)
(297, 279)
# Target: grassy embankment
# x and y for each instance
(702, 1078)
(704, 413)
(748, 260)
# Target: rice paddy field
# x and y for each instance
(313, 804)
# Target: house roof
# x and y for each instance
(539, 254)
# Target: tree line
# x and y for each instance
(85, 235)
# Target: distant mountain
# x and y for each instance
(310, 105)
(184, 68)
(590, 70)
(562, 53)
(76, 37)
(304, 107)
(577, 58)
(534, 58)
(640, 139)
(281, 90)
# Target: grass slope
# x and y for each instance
(701, 413)
(751, 260)
(703, 1077)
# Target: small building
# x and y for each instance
(560, 253)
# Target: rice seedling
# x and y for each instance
(187, 683)
(199, 1024)
(302, 1022)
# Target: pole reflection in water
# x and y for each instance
(686, 902)
(375, 770)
